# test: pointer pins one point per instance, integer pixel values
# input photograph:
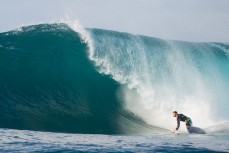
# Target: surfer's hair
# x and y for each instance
(175, 112)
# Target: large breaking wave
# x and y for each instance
(53, 78)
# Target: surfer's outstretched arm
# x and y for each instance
(178, 125)
(175, 114)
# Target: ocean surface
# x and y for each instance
(31, 141)
(64, 88)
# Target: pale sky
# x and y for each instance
(191, 20)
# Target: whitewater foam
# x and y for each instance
(167, 75)
(139, 65)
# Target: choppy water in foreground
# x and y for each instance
(31, 141)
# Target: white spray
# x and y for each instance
(184, 88)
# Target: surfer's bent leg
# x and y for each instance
(189, 124)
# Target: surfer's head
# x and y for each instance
(174, 113)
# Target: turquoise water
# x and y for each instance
(49, 84)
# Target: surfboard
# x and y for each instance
(196, 130)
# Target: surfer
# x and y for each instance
(183, 118)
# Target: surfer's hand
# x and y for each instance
(173, 131)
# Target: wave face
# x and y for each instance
(48, 83)
(192, 78)
(52, 80)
